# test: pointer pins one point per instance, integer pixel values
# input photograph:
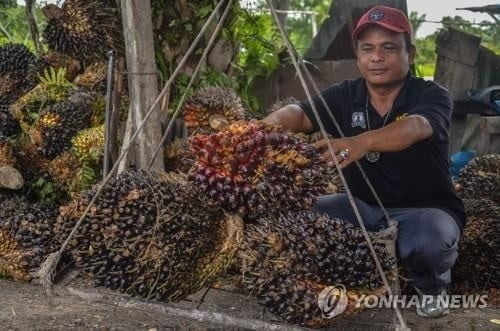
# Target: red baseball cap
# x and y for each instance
(387, 17)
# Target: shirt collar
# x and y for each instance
(401, 99)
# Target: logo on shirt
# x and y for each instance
(400, 117)
(358, 119)
(376, 15)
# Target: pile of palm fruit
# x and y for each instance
(287, 260)
(480, 179)
(252, 168)
(478, 263)
(478, 260)
(26, 236)
(150, 235)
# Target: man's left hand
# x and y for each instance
(347, 150)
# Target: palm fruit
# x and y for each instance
(57, 60)
(178, 156)
(88, 144)
(480, 179)
(29, 160)
(18, 69)
(212, 108)
(94, 77)
(59, 123)
(7, 157)
(478, 263)
(26, 237)
(252, 168)
(53, 88)
(149, 235)
(286, 261)
(64, 169)
(84, 30)
(8, 124)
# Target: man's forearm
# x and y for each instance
(398, 135)
(291, 117)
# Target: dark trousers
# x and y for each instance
(427, 240)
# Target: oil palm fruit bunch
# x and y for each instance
(59, 123)
(8, 124)
(148, 235)
(94, 77)
(287, 261)
(478, 262)
(18, 72)
(53, 88)
(88, 144)
(480, 179)
(253, 168)
(84, 30)
(212, 108)
(178, 156)
(30, 161)
(7, 157)
(26, 236)
(64, 170)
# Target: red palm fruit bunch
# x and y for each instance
(250, 167)
(211, 108)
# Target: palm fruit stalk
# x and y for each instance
(251, 168)
(178, 156)
(478, 263)
(149, 236)
(480, 179)
(286, 261)
(18, 72)
(84, 30)
(59, 123)
(26, 236)
(211, 108)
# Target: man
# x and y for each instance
(397, 126)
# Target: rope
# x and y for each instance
(330, 149)
(49, 265)
(191, 82)
(337, 126)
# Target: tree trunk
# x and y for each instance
(30, 4)
(142, 79)
(282, 5)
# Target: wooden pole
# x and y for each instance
(142, 79)
(30, 15)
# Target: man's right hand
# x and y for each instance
(291, 117)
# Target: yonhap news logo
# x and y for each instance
(333, 301)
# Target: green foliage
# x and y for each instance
(85, 178)
(55, 84)
(45, 190)
(14, 25)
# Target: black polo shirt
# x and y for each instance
(418, 176)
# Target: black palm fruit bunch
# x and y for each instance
(26, 236)
(211, 108)
(9, 126)
(18, 72)
(64, 170)
(30, 161)
(84, 30)
(59, 123)
(478, 263)
(252, 168)
(480, 179)
(178, 156)
(305, 251)
(150, 236)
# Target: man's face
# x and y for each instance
(383, 59)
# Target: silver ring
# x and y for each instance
(344, 153)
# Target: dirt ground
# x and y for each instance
(75, 307)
